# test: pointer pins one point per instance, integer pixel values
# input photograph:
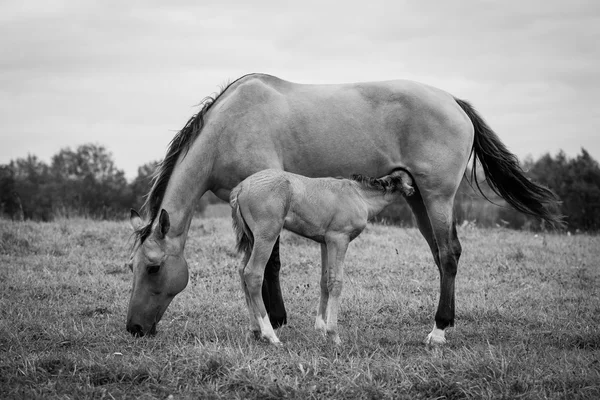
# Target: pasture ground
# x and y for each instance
(528, 317)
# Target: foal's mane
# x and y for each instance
(385, 184)
(179, 145)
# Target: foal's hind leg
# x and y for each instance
(253, 278)
(254, 327)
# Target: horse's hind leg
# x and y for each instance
(449, 251)
(420, 212)
(435, 220)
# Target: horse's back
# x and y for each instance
(361, 97)
(315, 130)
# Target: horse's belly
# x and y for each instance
(340, 158)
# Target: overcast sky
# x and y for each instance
(128, 74)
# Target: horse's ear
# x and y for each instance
(135, 220)
(164, 223)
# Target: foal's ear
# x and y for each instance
(164, 223)
(135, 220)
(386, 181)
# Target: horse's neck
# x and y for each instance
(188, 182)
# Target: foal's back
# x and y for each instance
(311, 207)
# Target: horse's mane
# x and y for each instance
(385, 184)
(179, 145)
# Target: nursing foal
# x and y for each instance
(331, 211)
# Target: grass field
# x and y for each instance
(528, 318)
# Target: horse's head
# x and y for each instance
(159, 273)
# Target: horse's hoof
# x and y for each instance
(277, 321)
(437, 337)
(434, 342)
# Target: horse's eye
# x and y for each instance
(152, 269)
(130, 266)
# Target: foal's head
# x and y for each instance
(397, 181)
(159, 273)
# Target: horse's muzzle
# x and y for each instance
(137, 330)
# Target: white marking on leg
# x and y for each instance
(332, 326)
(320, 323)
(436, 337)
(267, 330)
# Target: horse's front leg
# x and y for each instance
(324, 296)
(271, 289)
(336, 250)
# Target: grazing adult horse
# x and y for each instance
(330, 211)
(260, 121)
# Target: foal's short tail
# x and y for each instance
(244, 237)
(505, 176)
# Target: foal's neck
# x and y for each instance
(377, 200)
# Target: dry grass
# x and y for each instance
(527, 325)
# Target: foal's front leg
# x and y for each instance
(324, 297)
(336, 250)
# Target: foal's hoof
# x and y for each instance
(320, 325)
(259, 337)
(255, 335)
(334, 339)
(275, 342)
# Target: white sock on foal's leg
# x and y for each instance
(320, 324)
(267, 330)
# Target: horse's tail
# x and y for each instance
(244, 237)
(505, 176)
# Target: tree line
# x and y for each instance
(576, 181)
(85, 182)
